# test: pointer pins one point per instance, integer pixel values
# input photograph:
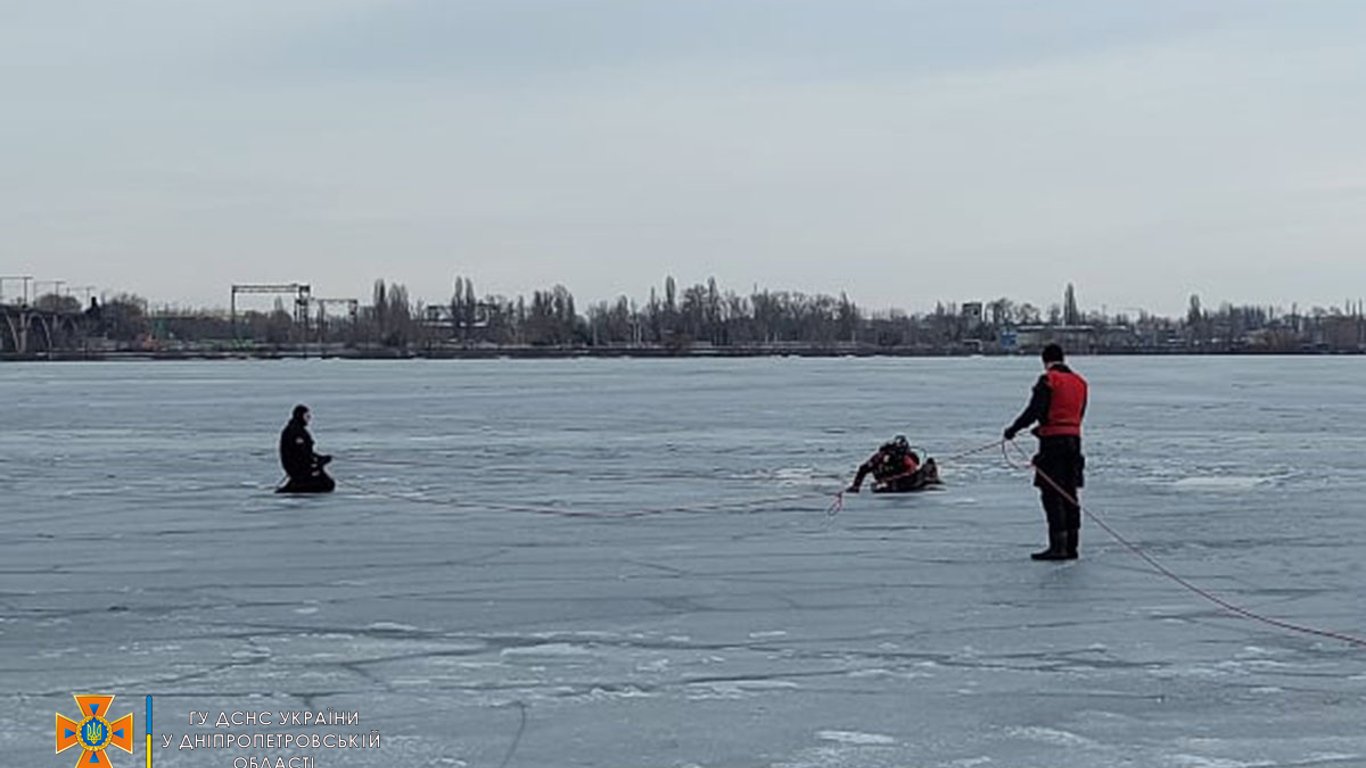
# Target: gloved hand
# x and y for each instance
(1010, 433)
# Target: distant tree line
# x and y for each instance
(705, 315)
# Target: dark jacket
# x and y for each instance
(296, 449)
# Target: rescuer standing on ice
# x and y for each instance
(1058, 404)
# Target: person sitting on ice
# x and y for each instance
(895, 468)
(301, 464)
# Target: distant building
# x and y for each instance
(1009, 339)
(972, 314)
(1076, 339)
(438, 316)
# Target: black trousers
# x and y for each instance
(317, 481)
(1061, 460)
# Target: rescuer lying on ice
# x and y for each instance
(896, 469)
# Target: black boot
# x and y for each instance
(1056, 547)
(1069, 550)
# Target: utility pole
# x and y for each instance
(25, 279)
(88, 290)
(56, 288)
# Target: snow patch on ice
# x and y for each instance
(624, 692)
(1224, 483)
(389, 626)
(1199, 761)
(1050, 736)
(735, 689)
(888, 673)
(855, 737)
(548, 649)
(417, 682)
(253, 652)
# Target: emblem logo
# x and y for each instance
(93, 733)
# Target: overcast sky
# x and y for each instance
(904, 152)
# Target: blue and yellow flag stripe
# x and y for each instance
(149, 731)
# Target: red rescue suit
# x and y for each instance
(1066, 405)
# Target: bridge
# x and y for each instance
(27, 330)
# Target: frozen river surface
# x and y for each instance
(629, 563)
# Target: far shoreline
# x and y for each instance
(645, 353)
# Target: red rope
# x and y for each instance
(836, 506)
(1163, 570)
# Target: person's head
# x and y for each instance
(1051, 354)
(301, 413)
